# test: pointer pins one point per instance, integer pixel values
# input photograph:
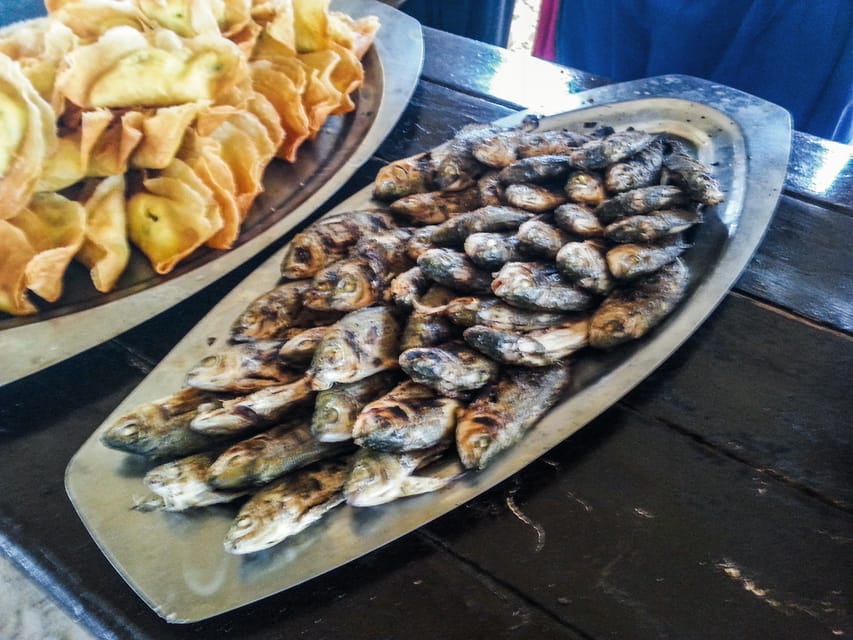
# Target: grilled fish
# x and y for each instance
(420, 241)
(627, 261)
(631, 312)
(271, 315)
(640, 170)
(490, 218)
(458, 167)
(617, 146)
(407, 287)
(504, 411)
(433, 207)
(410, 416)
(501, 148)
(539, 238)
(585, 187)
(693, 176)
(161, 427)
(495, 313)
(242, 367)
(538, 348)
(426, 326)
(491, 189)
(182, 484)
(271, 454)
(537, 169)
(336, 409)
(451, 369)
(287, 506)
(252, 411)
(640, 200)
(653, 226)
(585, 264)
(536, 285)
(537, 198)
(328, 240)
(578, 219)
(455, 270)
(553, 142)
(490, 250)
(376, 477)
(300, 348)
(360, 344)
(403, 177)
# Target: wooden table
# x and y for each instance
(713, 501)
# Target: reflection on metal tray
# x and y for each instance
(176, 563)
(83, 318)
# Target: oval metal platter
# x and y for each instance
(176, 562)
(83, 317)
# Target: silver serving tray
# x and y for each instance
(83, 317)
(176, 562)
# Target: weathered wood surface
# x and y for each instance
(714, 501)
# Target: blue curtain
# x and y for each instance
(483, 20)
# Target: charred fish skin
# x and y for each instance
(271, 315)
(407, 287)
(414, 174)
(578, 219)
(628, 261)
(538, 348)
(490, 250)
(336, 409)
(434, 207)
(489, 218)
(491, 189)
(420, 241)
(241, 368)
(597, 154)
(504, 411)
(585, 187)
(377, 477)
(495, 313)
(536, 198)
(252, 411)
(286, 507)
(183, 484)
(537, 169)
(328, 240)
(269, 455)
(640, 170)
(500, 148)
(537, 285)
(640, 200)
(694, 176)
(585, 264)
(360, 344)
(539, 238)
(451, 369)
(552, 142)
(298, 350)
(631, 312)
(161, 428)
(455, 270)
(459, 168)
(651, 227)
(411, 416)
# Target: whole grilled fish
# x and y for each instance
(300, 348)
(451, 369)
(336, 409)
(538, 348)
(652, 226)
(504, 411)
(410, 416)
(627, 261)
(271, 454)
(631, 312)
(491, 189)
(242, 367)
(537, 169)
(585, 264)
(640, 200)
(183, 484)
(617, 146)
(489, 218)
(536, 285)
(376, 477)
(407, 287)
(693, 176)
(639, 170)
(552, 142)
(287, 506)
(271, 315)
(539, 238)
(161, 427)
(578, 219)
(426, 325)
(490, 250)
(455, 270)
(433, 207)
(254, 410)
(501, 147)
(414, 174)
(358, 345)
(458, 167)
(537, 198)
(328, 240)
(585, 187)
(495, 313)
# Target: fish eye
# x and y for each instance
(244, 524)
(209, 361)
(128, 429)
(347, 285)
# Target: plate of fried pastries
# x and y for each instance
(152, 151)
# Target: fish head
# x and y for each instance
(372, 479)
(130, 433)
(250, 532)
(231, 469)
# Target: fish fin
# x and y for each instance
(148, 503)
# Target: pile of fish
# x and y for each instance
(438, 324)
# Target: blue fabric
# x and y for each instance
(796, 53)
(483, 20)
